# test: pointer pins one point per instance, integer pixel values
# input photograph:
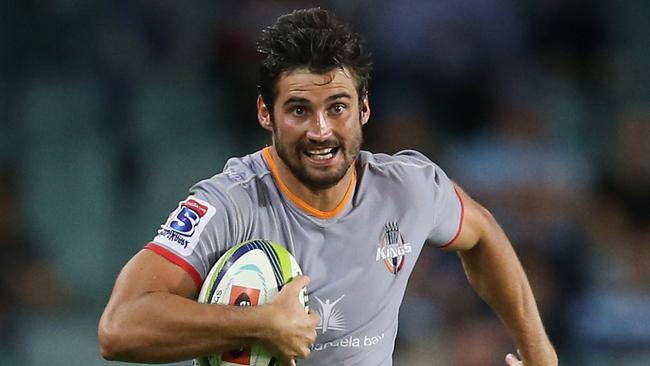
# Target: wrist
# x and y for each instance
(267, 319)
(540, 356)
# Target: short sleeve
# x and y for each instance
(438, 200)
(198, 230)
(448, 210)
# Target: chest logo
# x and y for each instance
(392, 248)
(331, 318)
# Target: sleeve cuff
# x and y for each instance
(460, 224)
(172, 257)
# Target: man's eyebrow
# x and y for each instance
(295, 100)
(300, 100)
(339, 96)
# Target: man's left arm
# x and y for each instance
(496, 274)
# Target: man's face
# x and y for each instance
(317, 125)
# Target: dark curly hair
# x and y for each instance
(314, 39)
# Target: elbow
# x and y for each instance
(487, 217)
(108, 343)
(112, 345)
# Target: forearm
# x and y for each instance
(161, 327)
(497, 276)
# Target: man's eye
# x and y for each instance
(299, 111)
(338, 108)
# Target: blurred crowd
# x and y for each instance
(540, 109)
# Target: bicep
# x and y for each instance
(476, 220)
(149, 272)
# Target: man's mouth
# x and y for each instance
(322, 153)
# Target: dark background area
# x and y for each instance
(110, 110)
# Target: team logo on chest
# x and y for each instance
(392, 248)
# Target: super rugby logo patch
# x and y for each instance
(187, 217)
(184, 226)
(392, 248)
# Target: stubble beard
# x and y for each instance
(319, 180)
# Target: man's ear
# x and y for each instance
(264, 114)
(365, 110)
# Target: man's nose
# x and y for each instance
(320, 128)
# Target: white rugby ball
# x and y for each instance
(248, 274)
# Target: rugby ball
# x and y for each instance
(248, 274)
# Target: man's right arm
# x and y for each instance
(153, 317)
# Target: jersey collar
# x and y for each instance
(306, 207)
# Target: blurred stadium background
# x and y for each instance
(110, 110)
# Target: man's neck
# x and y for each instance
(326, 200)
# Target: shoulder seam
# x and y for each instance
(238, 212)
(228, 195)
(247, 180)
(421, 165)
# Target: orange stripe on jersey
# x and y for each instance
(266, 153)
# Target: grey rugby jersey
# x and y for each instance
(359, 257)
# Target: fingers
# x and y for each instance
(296, 288)
(291, 289)
(293, 328)
(314, 317)
(297, 282)
(304, 353)
(512, 360)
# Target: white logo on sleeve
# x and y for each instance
(185, 225)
